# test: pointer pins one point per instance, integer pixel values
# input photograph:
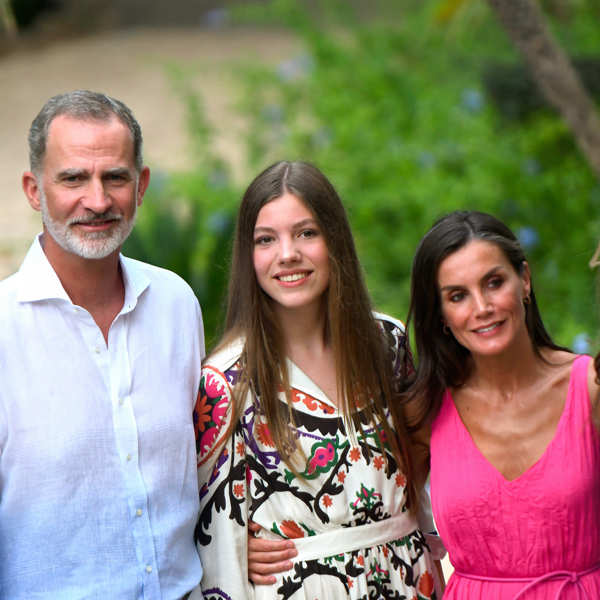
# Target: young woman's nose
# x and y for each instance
(288, 250)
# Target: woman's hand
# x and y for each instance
(266, 557)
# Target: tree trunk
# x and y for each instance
(525, 24)
(7, 19)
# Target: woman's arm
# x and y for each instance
(221, 533)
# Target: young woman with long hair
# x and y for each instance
(299, 424)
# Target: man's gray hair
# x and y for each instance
(87, 106)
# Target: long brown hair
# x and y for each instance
(364, 371)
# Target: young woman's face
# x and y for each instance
(291, 259)
(482, 298)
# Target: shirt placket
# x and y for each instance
(114, 363)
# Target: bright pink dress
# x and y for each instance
(543, 527)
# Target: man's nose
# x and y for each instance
(97, 198)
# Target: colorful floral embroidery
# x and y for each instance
(343, 484)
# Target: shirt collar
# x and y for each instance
(39, 281)
(303, 383)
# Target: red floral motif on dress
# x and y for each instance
(426, 584)
(311, 403)
(355, 454)
(291, 529)
(238, 490)
(264, 435)
(378, 462)
(203, 413)
(400, 480)
(327, 501)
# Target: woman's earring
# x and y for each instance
(527, 300)
(445, 328)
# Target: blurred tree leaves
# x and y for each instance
(389, 101)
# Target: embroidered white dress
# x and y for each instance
(348, 518)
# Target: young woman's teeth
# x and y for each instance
(294, 277)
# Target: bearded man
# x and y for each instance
(99, 372)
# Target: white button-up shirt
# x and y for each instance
(98, 485)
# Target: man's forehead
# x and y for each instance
(73, 122)
(74, 135)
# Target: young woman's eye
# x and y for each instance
(308, 233)
(495, 282)
(263, 240)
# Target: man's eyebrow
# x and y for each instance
(118, 171)
(72, 172)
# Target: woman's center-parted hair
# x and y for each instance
(312, 188)
(364, 373)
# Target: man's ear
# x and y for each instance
(143, 182)
(32, 190)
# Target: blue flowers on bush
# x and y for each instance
(528, 237)
(581, 343)
(531, 166)
(472, 100)
(219, 222)
(295, 68)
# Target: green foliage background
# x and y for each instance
(389, 102)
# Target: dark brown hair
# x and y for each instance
(364, 371)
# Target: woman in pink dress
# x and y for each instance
(515, 452)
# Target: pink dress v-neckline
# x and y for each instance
(545, 520)
(559, 427)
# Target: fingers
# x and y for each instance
(253, 527)
(260, 545)
(270, 562)
(266, 557)
(261, 579)
(258, 573)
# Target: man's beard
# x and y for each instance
(92, 244)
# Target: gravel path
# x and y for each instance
(131, 65)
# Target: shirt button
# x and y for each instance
(128, 457)
(138, 512)
(97, 350)
(148, 569)
(121, 401)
